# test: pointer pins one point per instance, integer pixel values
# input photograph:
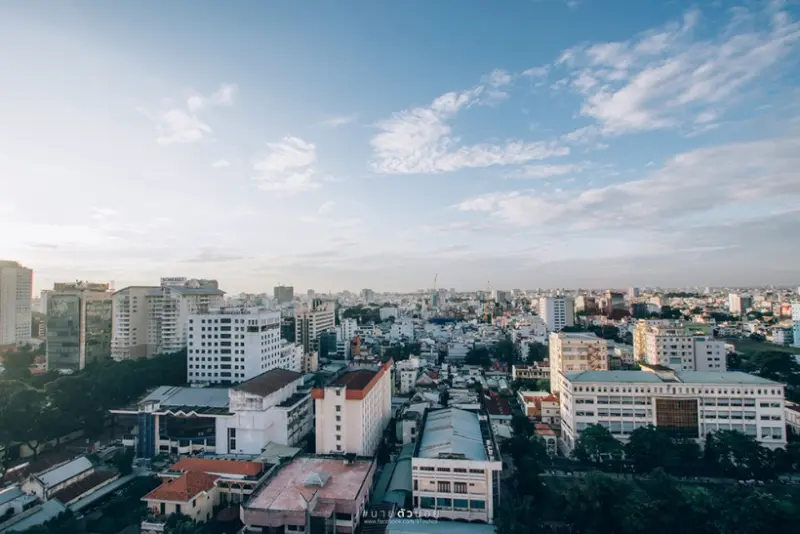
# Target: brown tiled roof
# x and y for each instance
(213, 465)
(183, 488)
(497, 405)
(73, 491)
(269, 382)
(355, 379)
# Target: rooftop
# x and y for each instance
(358, 379)
(186, 399)
(288, 490)
(183, 488)
(452, 431)
(73, 491)
(689, 377)
(9, 494)
(269, 382)
(219, 467)
(58, 474)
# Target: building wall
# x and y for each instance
(436, 478)
(16, 289)
(575, 352)
(311, 322)
(557, 312)
(756, 410)
(796, 323)
(200, 508)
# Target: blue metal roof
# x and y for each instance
(452, 431)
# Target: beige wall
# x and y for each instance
(201, 508)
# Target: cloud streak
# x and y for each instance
(182, 124)
(287, 167)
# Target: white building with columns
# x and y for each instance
(456, 466)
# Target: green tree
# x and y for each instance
(733, 454)
(537, 352)
(649, 448)
(17, 363)
(596, 445)
(478, 356)
(123, 461)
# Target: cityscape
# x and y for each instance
(399, 267)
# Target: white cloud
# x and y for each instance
(546, 171)
(221, 164)
(326, 207)
(287, 166)
(420, 141)
(665, 77)
(339, 120)
(690, 184)
(497, 78)
(179, 125)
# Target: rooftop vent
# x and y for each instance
(316, 479)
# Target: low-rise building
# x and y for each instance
(456, 466)
(548, 435)
(540, 406)
(575, 352)
(537, 371)
(689, 404)
(311, 493)
(47, 483)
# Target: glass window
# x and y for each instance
(460, 504)
(427, 502)
(444, 503)
(477, 505)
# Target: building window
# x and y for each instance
(338, 437)
(443, 487)
(427, 502)
(338, 408)
(460, 504)
(231, 439)
(459, 487)
(444, 503)
(338, 418)
(477, 505)
(416, 484)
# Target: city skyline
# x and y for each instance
(378, 145)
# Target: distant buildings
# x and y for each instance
(687, 404)
(557, 312)
(571, 352)
(231, 345)
(367, 295)
(150, 320)
(283, 294)
(79, 325)
(353, 411)
(739, 304)
(16, 289)
(313, 320)
(456, 466)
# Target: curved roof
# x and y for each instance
(452, 431)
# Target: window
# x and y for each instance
(427, 502)
(426, 468)
(338, 428)
(476, 471)
(459, 470)
(231, 439)
(338, 418)
(416, 484)
(460, 504)
(443, 487)
(459, 487)
(338, 437)
(338, 408)
(343, 517)
(443, 469)
(444, 503)
(477, 505)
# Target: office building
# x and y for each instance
(796, 324)
(367, 295)
(571, 352)
(79, 325)
(456, 466)
(679, 348)
(557, 312)
(633, 292)
(16, 289)
(353, 411)
(231, 345)
(311, 321)
(687, 404)
(739, 304)
(152, 320)
(615, 303)
(283, 294)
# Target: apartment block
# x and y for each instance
(313, 320)
(79, 325)
(796, 324)
(456, 466)
(557, 312)
(283, 294)
(739, 304)
(688, 404)
(679, 348)
(571, 352)
(16, 289)
(353, 411)
(231, 345)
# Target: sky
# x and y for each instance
(359, 144)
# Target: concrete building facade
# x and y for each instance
(16, 289)
(313, 320)
(557, 312)
(571, 352)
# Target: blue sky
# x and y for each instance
(354, 144)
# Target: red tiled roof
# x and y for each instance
(211, 465)
(75, 490)
(183, 488)
(544, 429)
(497, 405)
(433, 374)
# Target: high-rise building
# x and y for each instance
(16, 286)
(678, 347)
(367, 295)
(311, 321)
(151, 320)
(739, 304)
(615, 302)
(570, 352)
(796, 323)
(283, 294)
(353, 411)
(231, 345)
(79, 325)
(633, 292)
(557, 312)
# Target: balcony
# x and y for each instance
(153, 523)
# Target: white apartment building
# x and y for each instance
(557, 312)
(313, 320)
(149, 320)
(407, 372)
(739, 304)
(456, 466)
(16, 289)
(571, 352)
(691, 404)
(231, 345)
(678, 348)
(389, 311)
(402, 329)
(796, 323)
(353, 411)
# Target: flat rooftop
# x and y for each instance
(452, 431)
(286, 490)
(267, 383)
(688, 377)
(358, 379)
(212, 401)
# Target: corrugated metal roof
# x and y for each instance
(9, 494)
(724, 377)
(197, 397)
(688, 377)
(59, 474)
(452, 431)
